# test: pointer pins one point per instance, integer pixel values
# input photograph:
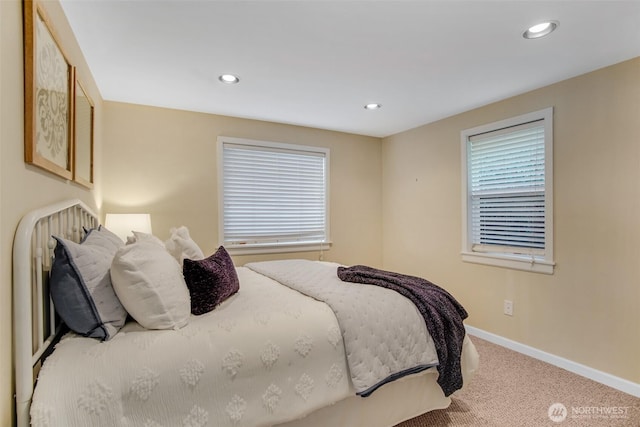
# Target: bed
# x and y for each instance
(268, 354)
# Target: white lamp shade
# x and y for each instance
(123, 225)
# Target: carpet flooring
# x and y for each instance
(511, 389)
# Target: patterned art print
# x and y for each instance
(51, 98)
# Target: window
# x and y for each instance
(274, 196)
(508, 184)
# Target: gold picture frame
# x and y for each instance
(48, 102)
(83, 116)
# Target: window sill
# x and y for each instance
(277, 249)
(510, 261)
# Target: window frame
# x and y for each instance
(527, 262)
(267, 248)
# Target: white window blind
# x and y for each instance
(508, 193)
(274, 195)
(507, 189)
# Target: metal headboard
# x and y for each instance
(34, 320)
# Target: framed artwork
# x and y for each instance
(82, 137)
(48, 102)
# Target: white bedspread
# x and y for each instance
(384, 334)
(266, 355)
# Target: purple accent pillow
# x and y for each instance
(210, 280)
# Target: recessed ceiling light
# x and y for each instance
(540, 30)
(373, 106)
(229, 79)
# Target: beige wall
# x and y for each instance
(163, 162)
(24, 187)
(401, 194)
(588, 310)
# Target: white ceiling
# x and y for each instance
(317, 63)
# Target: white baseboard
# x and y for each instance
(612, 381)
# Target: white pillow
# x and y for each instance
(139, 236)
(150, 286)
(181, 246)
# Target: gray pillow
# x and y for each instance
(81, 285)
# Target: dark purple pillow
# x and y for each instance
(210, 281)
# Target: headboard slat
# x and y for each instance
(39, 294)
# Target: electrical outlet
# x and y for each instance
(508, 307)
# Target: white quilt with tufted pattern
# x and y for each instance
(385, 335)
(266, 355)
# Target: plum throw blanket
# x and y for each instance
(442, 314)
